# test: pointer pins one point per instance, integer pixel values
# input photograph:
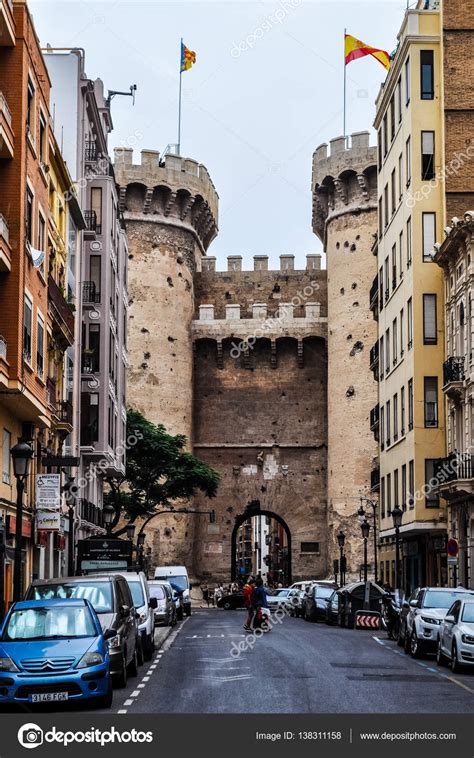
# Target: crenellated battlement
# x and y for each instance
(260, 263)
(173, 190)
(344, 179)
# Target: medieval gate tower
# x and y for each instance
(170, 207)
(344, 187)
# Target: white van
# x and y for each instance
(178, 577)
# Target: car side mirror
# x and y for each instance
(413, 603)
(124, 610)
(450, 619)
(110, 633)
(405, 604)
(175, 595)
(153, 602)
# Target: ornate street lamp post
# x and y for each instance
(21, 454)
(397, 515)
(365, 529)
(341, 539)
(361, 514)
(108, 514)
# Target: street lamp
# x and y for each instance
(130, 530)
(365, 529)
(397, 515)
(70, 499)
(361, 514)
(140, 544)
(108, 514)
(341, 539)
(21, 454)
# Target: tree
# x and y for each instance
(158, 471)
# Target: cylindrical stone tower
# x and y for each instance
(170, 208)
(344, 187)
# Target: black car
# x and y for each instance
(231, 601)
(314, 608)
(111, 599)
(332, 608)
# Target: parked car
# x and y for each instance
(165, 612)
(112, 601)
(332, 608)
(145, 607)
(296, 599)
(54, 651)
(456, 636)
(279, 599)
(403, 640)
(178, 577)
(314, 608)
(231, 601)
(427, 611)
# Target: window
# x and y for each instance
(382, 427)
(386, 206)
(394, 267)
(381, 357)
(408, 160)
(402, 411)
(310, 547)
(410, 405)
(379, 144)
(29, 216)
(389, 494)
(410, 323)
(411, 484)
(41, 232)
(409, 243)
(429, 235)
(27, 328)
(402, 325)
(429, 320)
(392, 118)
(431, 401)
(401, 253)
(427, 155)
(381, 287)
(395, 417)
(387, 351)
(400, 176)
(96, 206)
(387, 279)
(387, 421)
(111, 424)
(89, 418)
(380, 218)
(396, 499)
(399, 98)
(30, 109)
(395, 341)
(112, 355)
(382, 497)
(407, 81)
(431, 500)
(394, 191)
(385, 135)
(40, 345)
(95, 263)
(426, 74)
(7, 443)
(93, 361)
(404, 487)
(42, 139)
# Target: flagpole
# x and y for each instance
(345, 87)
(179, 107)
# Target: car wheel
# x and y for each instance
(106, 700)
(148, 648)
(456, 667)
(121, 679)
(441, 659)
(415, 646)
(226, 606)
(132, 668)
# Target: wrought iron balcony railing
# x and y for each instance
(455, 467)
(453, 370)
(90, 293)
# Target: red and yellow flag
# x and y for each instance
(354, 48)
(188, 57)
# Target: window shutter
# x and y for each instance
(429, 318)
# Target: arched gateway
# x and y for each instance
(270, 545)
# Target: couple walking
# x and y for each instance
(255, 601)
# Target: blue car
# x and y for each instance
(54, 651)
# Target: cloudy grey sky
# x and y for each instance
(266, 90)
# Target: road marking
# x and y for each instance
(146, 679)
(140, 686)
(123, 710)
(135, 693)
(460, 684)
(128, 702)
(234, 678)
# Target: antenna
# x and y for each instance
(113, 92)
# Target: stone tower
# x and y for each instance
(170, 208)
(344, 187)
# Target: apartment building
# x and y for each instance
(98, 360)
(407, 300)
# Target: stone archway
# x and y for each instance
(254, 509)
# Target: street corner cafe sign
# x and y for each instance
(102, 553)
(48, 491)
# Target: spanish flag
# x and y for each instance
(188, 58)
(354, 48)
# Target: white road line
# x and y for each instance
(146, 679)
(140, 686)
(123, 710)
(128, 702)
(135, 693)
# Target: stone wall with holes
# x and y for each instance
(345, 219)
(260, 407)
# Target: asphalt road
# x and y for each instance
(298, 668)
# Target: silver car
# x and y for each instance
(165, 611)
(456, 635)
(427, 611)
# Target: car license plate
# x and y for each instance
(49, 697)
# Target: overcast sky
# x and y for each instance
(266, 90)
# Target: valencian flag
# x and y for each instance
(188, 58)
(354, 48)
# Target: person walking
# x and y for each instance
(260, 605)
(248, 595)
(205, 594)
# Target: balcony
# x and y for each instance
(64, 416)
(5, 249)
(3, 361)
(91, 153)
(374, 298)
(374, 360)
(51, 392)
(7, 24)
(92, 227)
(453, 376)
(63, 315)
(91, 513)
(6, 131)
(455, 475)
(374, 418)
(90, 294)
(375, 479)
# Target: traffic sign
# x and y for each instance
(367, 620)
(453, 547)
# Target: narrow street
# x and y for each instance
(298, 668)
